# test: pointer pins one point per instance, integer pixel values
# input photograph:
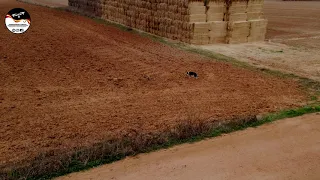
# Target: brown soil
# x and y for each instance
(295, 23)
(286, 149)
(69, 81)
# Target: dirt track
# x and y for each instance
(69, 81)
(287, 149)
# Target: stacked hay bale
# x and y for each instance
(190, 21)
(258, 25)
(167, 18)
(258, 30)
(238, 26)
(197, 21)
(238, 32)
(216, 17)
(254, 9)
(200, 33)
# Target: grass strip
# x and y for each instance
(48, 166)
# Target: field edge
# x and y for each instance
(53, 164)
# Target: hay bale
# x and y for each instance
(217, 40)
(200, 27)
(255, 2)
(236, 40)
(196, 9)
(239, 25)
(256, 38)
(218, 25)
(216, 9)
(258, 23)
(254, 8)
(258, 29)
(200, 39)
(238, 32)
(196, 3)
(235, 8)
(217, 32)
(254, 16)
(216, 2)
(215, 17)
(237, 17)
(196, 18)
(218, 28)
(202, 21)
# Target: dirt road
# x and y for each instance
(286, 149)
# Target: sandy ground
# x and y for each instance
(70, 81)
(293, 40)
(276, 56)
(286, 149)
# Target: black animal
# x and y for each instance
(192, 74)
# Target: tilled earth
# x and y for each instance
(70, 81)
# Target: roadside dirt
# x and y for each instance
(286, 149)
(69, 81)
(293, 40)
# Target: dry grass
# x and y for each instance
(56, 163)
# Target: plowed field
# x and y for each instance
(70, 81)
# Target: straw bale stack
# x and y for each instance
(258, 29)
(200, 39)
(191, 21)
(254, 15)
(196, 12)
(200, 27)
(200, 33)
(217, 32)
(216, 10)
(196, 18)
(238, 32)
(238, 7)
(197, 9)
(238, 17)
(254, 9)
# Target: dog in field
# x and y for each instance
(192, 74)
